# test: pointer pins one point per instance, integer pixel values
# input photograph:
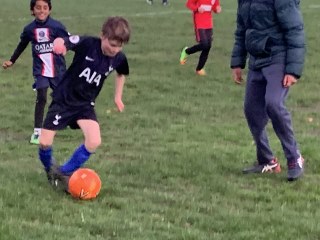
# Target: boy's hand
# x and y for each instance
(204, 8)
(7, 64)
(200, 9)
(237, 75)
(218, 9)
(59, 47)
(119, 104)
(289, 80)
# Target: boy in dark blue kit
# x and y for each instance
(47, 66)
(271, 32)
(74, 98)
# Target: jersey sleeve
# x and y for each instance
(192, 5)
(216, 5)
(123, 67)
(62, 31)
(24, 41)
(75, 42)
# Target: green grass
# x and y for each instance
(171, 163)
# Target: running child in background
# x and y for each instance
(73, 99)
(203, 27)
(47, 66)
(164, 2)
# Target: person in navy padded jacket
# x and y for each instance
(271, 34)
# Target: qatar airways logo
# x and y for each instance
(44, 47)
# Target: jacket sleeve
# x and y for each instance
(192, 5)
(239, 52)
(291, 22)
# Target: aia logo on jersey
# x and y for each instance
(91, 77)
(42, 35)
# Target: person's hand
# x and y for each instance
(204, 8)
(59, 47)
(218, 9)
(289, 80)
(237, 75)
(7, 64)
(201, 9)
(119, 104)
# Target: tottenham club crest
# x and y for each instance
(57, 118)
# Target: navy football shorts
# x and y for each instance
(45, 82)
(60, 116)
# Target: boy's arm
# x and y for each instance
(290, 19)
(119, 83)
(62, 31)
(192, 5)
(74, 43)
(216, 7)
(59, 46)
(17, 52)
(239, 52)
(20, 48)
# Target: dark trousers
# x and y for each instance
(265, 99)
(204, 37)
(41, 101)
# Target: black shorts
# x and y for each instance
(204, 35)
(60, 116)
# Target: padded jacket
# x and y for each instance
(269, 31)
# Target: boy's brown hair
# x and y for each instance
(116, 28)
(33, 3)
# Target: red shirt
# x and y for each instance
(203, 20)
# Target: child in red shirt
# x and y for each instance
(203, 26)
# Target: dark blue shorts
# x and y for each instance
(45, 82)
(60, 116)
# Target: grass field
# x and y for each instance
(171, 163)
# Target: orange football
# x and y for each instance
(84, 184)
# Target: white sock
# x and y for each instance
(37, 131)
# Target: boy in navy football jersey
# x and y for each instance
(73, 99)
(47, 66)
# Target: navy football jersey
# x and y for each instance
(41, 35)
(84, 78)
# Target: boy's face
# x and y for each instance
(41, 10)
(110, 47)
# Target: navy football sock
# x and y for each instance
(45, 156)
(78, 158)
